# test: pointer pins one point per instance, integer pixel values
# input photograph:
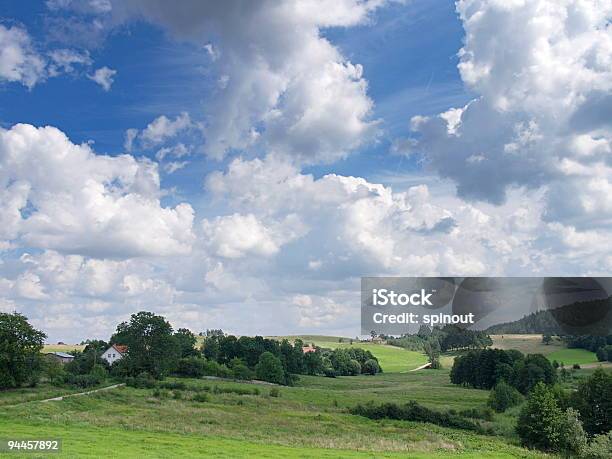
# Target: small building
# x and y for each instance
(114, 353)
(377, 340)
(61, 357)
(309, 348)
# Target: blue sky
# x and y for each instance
(278, 151)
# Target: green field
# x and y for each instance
(571, 356)
(309, 420)
(62, 347)
(527, 344)
(392, 359)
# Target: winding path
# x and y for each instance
(58, 399)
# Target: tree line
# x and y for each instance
(156, 350)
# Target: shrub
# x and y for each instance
(329, 372)
(201, 398)
(83, 381)
(540, 422)
(485, 413)
(593, 399)
(599, 448)
(354, 367)
(274, 392)
(212, 368)
(269, 368)
(177, 395)
(143, 381)
(370, 367)
(576, 366)
(504, 396)
(241, 371)
(412, 411)
(192, 367)
(573, 438)
(172, 385)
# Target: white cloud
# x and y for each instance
(543, 70)
(298, 96)
(64, 60)
(162, 128)
(174, 166)
(63, 196)
(103, 76)
(19, 61)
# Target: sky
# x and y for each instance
(241, 165)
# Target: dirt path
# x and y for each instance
(427, 365)
(58, 399)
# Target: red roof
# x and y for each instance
(307, 349)
(121, 349)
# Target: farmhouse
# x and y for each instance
(114, 353)
(309, 348)
(61, 357)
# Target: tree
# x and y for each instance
(20, 346)
(186, 342)
(151, 345)
(504, 396)
(547, 339)
(270, 368)
(540, 421)
(313, 362)
(432, 350)
(594, 401)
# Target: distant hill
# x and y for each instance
(585, 317)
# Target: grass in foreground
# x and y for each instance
(309, 420)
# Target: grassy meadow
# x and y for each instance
(310, 419)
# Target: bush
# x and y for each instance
(212, 368)
(599, 448)
(354, 367)
(412, 411)
(177, 395)
(144, 380)
(270, 369)
(370, 367)
(172, 385)
(573, 438)
(192, 367)
(274, 392)
(54, 372)
(485, 413)
(200, 398)
(593, 399)
(241, 371)
(504, 396)
(329, 372)
(540, 423)
(576, 366)
(82, 381)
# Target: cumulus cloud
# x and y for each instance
(19, 60)
(543, 72)
(103, 76)
(63, 196)
(297, 96)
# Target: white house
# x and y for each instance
(114, 353)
